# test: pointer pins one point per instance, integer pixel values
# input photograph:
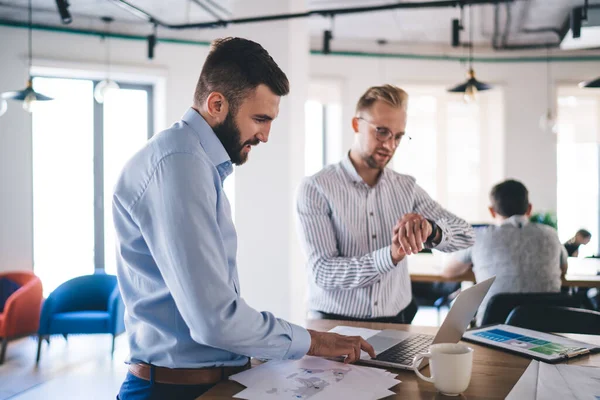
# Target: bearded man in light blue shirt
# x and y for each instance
(188, 327)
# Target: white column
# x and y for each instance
(270, 262)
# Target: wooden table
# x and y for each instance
(582, 272)
(494, 372)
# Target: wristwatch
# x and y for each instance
(434, 230)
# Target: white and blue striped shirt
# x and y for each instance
(346, 232)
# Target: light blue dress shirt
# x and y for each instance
(176, 259)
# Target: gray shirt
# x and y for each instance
(524, 257)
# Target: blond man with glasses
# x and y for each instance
(358, 220)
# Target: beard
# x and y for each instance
(230, 137)
(373, 163)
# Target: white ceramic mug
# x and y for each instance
(450, 365)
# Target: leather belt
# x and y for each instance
(185, 376)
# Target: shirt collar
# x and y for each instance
(354, 176)
(209, 141)
(516, 220)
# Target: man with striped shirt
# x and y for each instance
(358, 220)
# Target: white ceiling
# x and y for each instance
(410, 28)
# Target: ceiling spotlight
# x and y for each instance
(576, 22)
(327, 36)
(151, 43)
(456, 28)
(63, 10)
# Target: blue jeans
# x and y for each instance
(135, 388)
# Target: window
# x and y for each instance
(448, 141)
(79, 148)
(578, 148)
(323, 113)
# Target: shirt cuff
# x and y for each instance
(300, 343)
(383, 260)
(446, 235)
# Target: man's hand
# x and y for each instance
(410, 232)
(327, 344)
(398, 253)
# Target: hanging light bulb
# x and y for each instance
(102, 89)
(3, 106)
(548, 122)
(106, 85)
(470, 95)
(29, 102)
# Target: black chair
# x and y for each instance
(501, 304)
(555, 319)
(437, 295)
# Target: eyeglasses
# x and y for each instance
(383, 134)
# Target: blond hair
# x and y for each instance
(390, 94)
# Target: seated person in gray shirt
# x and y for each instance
(358, 220)
(524, 256)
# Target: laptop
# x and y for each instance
(397, 349)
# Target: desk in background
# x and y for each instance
(582, 272)
(494, 372)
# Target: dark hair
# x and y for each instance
(510, 198)
(235, 67)
(584, 233)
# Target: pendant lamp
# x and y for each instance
(28, 96)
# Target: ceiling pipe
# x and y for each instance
(503, 43)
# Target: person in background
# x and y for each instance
(582, 237)
(524, 256)
(358, 220)
(187, 324)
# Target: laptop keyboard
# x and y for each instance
(404, 352)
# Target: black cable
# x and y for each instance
(30, 34)
(470, 37)
(107, 21)
(548, 76)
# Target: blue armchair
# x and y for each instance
(83, 305)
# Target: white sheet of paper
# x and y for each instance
(584, 382)
(526, 386)
(551, 385)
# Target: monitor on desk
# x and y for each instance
(480, 225)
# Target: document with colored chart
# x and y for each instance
(314, 378)
(538, 345)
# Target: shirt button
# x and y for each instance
(375, 303)
(374, 236)
(371, 213)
